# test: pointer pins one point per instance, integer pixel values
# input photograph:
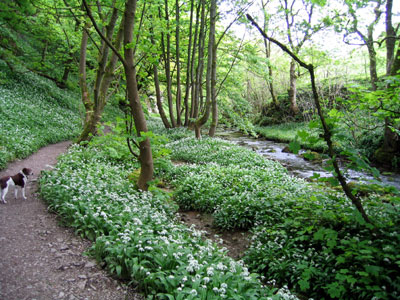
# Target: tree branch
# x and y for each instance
(109, 44)
(327, 131)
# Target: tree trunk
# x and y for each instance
(88, 104)
(292, 89)
(67, 70)
(214, 104)
(158, 98)
(390, 37)
(167, 60)
(188, 67)
(396, 63)
(210, 59)
(372, 65)
(270, 81)
(178, 69)
(106, 75)
(145, 156)
(193, 74)
(157, 85)
(267, 47)
(200, 65)
(103, 56)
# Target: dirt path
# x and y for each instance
(39, 259)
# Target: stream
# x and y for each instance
(296, 164)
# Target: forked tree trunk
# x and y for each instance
(210, 60)
(145, 156)
(104, 79)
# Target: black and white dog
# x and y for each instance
(19, 179)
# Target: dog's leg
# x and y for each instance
(3, 194)
(15, 191)
(23, 193)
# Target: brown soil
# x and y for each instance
(236, 242)
(39, 259)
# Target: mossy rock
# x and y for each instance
(312, 156)
(384, 157)
(364, 189)
(134, 176)
(286, 149)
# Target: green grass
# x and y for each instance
(34, 113)
(287, 132)
(345, 134)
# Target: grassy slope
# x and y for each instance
(34, 113)
(287, 133)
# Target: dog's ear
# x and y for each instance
(27, 171)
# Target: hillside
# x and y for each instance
(34, 112)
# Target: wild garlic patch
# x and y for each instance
(304, 236)
(138, 237)
(34, 113)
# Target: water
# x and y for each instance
(296, 164)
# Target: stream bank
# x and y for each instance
(296, 164)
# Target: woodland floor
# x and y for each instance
(39, 258)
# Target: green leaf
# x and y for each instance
(294, 146)
(118, 269)
(304, 284)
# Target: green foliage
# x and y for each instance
(137, 235)
(34, 113)
(332, 255)
(35, 36)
